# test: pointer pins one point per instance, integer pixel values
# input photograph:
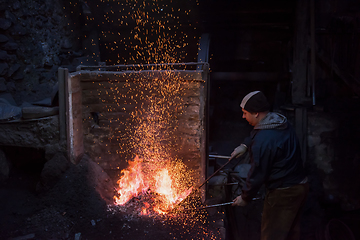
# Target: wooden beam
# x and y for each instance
(62, 77)
(73, 94)
(250, 76)
(174, 75)
(301, 39)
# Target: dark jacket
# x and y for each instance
(275, 156)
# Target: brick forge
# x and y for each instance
(106, 107)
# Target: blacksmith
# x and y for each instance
(276, 161)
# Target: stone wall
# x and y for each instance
(333, 160)
(35, 39)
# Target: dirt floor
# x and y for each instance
(73, 209)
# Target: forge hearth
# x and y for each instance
(156, 112)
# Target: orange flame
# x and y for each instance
(131, 183)
(158, 179)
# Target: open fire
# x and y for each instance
(158, 185)
(153, 109)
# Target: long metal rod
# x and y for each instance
(216, 205)
(216, 172)
(219, 156)
(212, 206)
(142, 65)
(204, 181)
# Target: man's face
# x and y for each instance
(250, 117)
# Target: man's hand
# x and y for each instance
(240, 150)
(238, 201)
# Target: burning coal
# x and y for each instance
(158, 184)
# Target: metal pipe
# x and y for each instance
(216, 205)
(216, 172)
(142, 65)
(219, 156)
(227, 184)
(212, 206)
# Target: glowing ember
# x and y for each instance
(144, 177)
(132, 183)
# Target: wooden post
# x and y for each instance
(74, 118)
(299, 67)
(301, 129)
(203, 57)
(313, 50)
(205, 151)
(62, 79)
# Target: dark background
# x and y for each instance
(253, 45)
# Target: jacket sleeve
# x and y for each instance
(247, 142)
(260, 155)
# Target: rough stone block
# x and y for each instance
(4, 24)
(52, 171)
